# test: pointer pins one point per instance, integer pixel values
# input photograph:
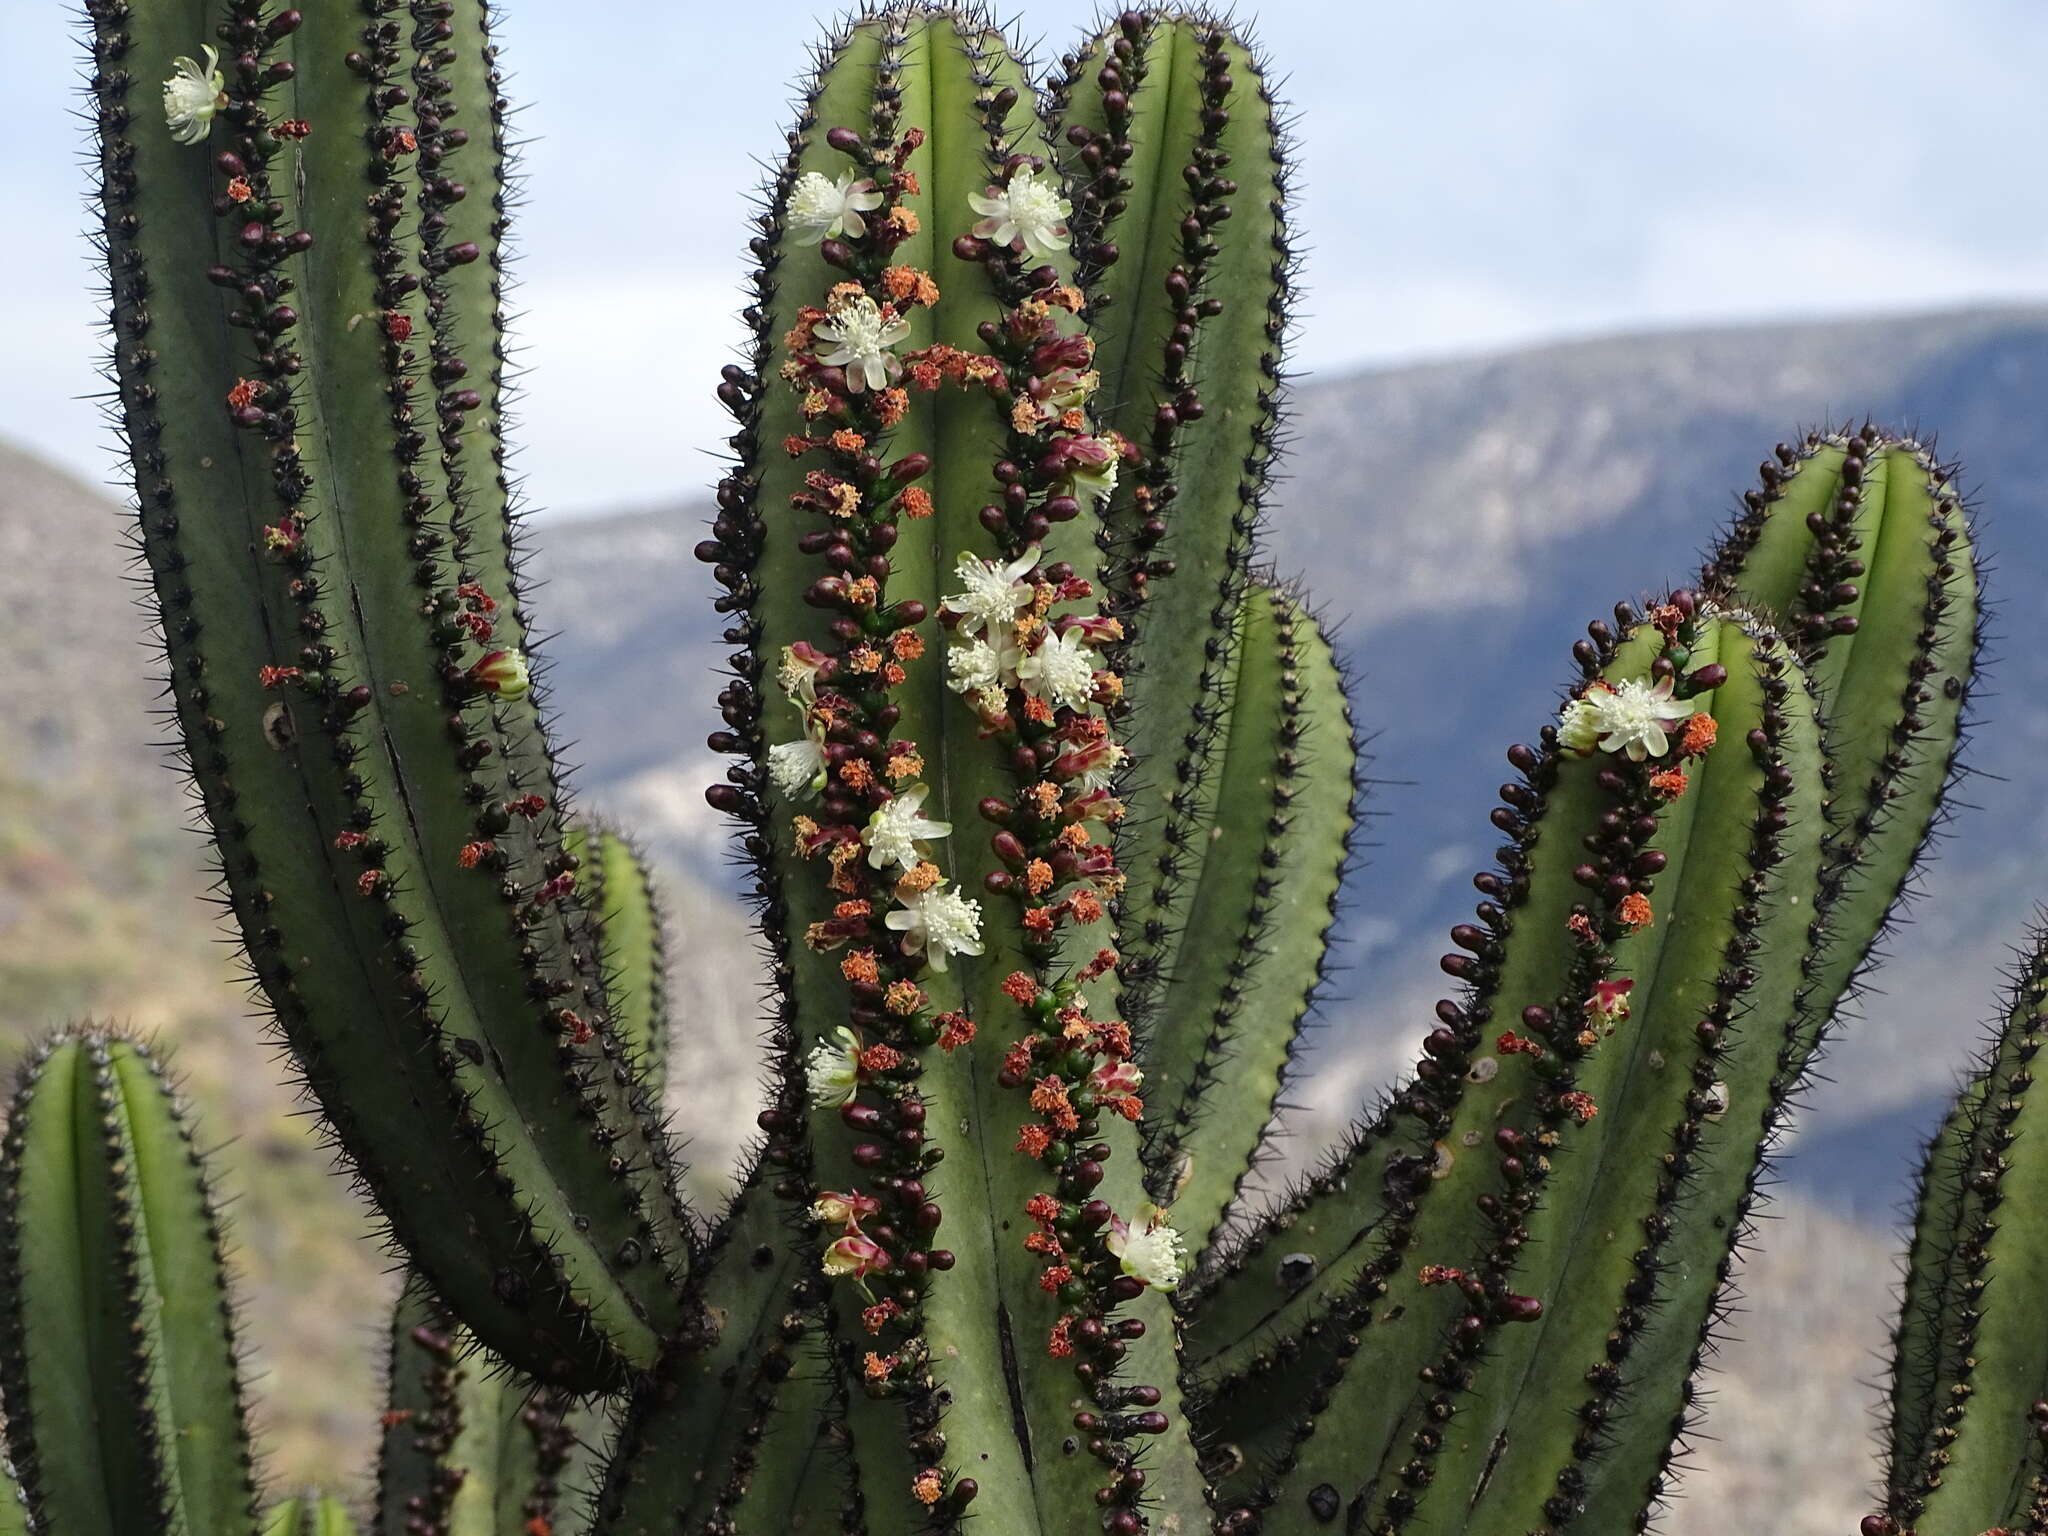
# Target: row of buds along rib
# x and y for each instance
(1643, 733)
(896, 915)
(1025, 641)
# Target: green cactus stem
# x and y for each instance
(768, 1379)
(1967, 1448)
(1601, 945)
(1244, 968)
(15, 1517)
(470, 1448)
(1044, 846)
(117, 1340)
(305, 349)
(627, 928)
(1180, 172)
(1859, 544)
(944, 333)
(308, 1514)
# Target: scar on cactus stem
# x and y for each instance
(1048, 788)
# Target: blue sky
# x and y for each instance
(1475, 177)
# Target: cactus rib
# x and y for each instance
(1259, 918)
(411, 887)
(117, 1339)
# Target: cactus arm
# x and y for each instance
(1520, 1157)
(726, 1402)
(889, 74)
(804, 1479)
(1022, 1352)
(410, 580)
(955, 73)
(1259, 919)
(1968, 1440)
(1928, 1339)
(251, 531)
(627, 925)
(1649, 1236)
(1884, 606)
(469, 1448)
(1480, 1082)
(308, 1514)
(123, 1402)
(1190, 319)
(1895, 688)
(419, 1402)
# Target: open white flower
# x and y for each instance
(833, 1072)
(1061, 671)
(860, 338)
(819, 206)
(899, 825)
(1630, 717)
(1099, 479)
(992, 594)
(798, 767)
(1151, 1252)
(1102, 767)
(977, 667)
(192, 95)
(1028, 215)
(797, 673)
(938, 923)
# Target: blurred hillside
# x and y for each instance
(1466, 518)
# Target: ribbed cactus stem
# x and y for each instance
(1859, 544)
(1967, 1447)
(1251, 955)
(1180, 174)
(308, 1514)
(628, 932)
(340, 642)
(118, 1355)
(470, 1448)
(935, 442)
(1593, 954)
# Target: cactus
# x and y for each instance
(308, 1514)
(470, 1448)
(1048, 789)
(1967, 1447)
(117, 1341)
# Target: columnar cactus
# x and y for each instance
(310, 1514)
(117, 1344)
(1049, 789)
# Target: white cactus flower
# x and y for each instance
(192, 95)
(820, 207)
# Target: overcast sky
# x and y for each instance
(1476, 176)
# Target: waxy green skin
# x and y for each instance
(1193, 309)
(1894, 698)
(1968, 1443)
(309, 1514)
(1249, 960)
(516, 1147)
(469, 1447)
(1898, 684)
(412, 1012)
(117, 1343)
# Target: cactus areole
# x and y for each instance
(1048, 788)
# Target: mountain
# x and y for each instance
(1464, 519)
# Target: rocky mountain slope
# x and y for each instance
(1465, 518)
